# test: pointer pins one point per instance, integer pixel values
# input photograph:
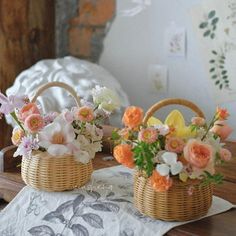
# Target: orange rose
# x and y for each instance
(27, 110)
(222, 114)
(160, 183)
(198, 154)
(124, 155)
(221, 129)
(133, 117)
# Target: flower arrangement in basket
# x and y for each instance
(57, 148)
(175, 163)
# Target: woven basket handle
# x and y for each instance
(60, 85)
(172, 101)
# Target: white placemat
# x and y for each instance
(103, 207)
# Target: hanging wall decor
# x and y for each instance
(214, 22)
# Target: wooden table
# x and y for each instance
(219, 225)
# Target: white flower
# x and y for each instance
(82, 156)
(105, 99)
(170, 165)
(57, 137)
(163, 129)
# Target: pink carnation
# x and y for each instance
(174, 144)
(148, 135)
(34, 123)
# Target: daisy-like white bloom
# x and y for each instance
(170, 165)
(58, 137)
(105, 99)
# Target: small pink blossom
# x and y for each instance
(190, 190)
(84, 114)
(48, 119)
(225, 154)
(148, 135)
(34, 123)
(199, 121)
(174, 144)
(68, 116)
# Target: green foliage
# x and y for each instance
(210, 25)
(144, 154)
(212, 179)
(218, 71)
(114, 135)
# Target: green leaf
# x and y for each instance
(211, 14)
(221, 86)
(207, 33)
(212, 36)
(214, 28)
(214, 52)
(115, 135)
(225, 77)
(214, 76)
(212, 70)
(215, 21)
(221, 67)
(226, 81)
(222, 62)
(217, 82)
(203, 25)
(212, 61)
(224, 72)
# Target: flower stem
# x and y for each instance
(13, 114)
(215, 118)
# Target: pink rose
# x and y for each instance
(148, 135)
(222, 129)
(34, 123)
(174, 144)
(27, 110)
(198, 154)
(199, 121)
(225, 154)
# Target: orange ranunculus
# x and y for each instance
(198, 154)
(221, 129)
(133, 117)
(124, 155)
(222, 114)
(27, 110)
(160, 183)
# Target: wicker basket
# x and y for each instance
(45, 172)
(176, 204)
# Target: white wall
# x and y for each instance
(135, 42)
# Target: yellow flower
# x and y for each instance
(176, 122)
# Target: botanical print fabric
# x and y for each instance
(103, 207)
(214, 21)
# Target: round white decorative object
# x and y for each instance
(80, 74)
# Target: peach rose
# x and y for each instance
(225, 154)
(124, 155)
(84, 114)
(174, 144)
(199, 121)
(198, 154)
(222, 114)
(34, 123)
(133, 117)
(17, 135)
(222, 129)
(27, 110)
(160, 183)
(148, 135)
